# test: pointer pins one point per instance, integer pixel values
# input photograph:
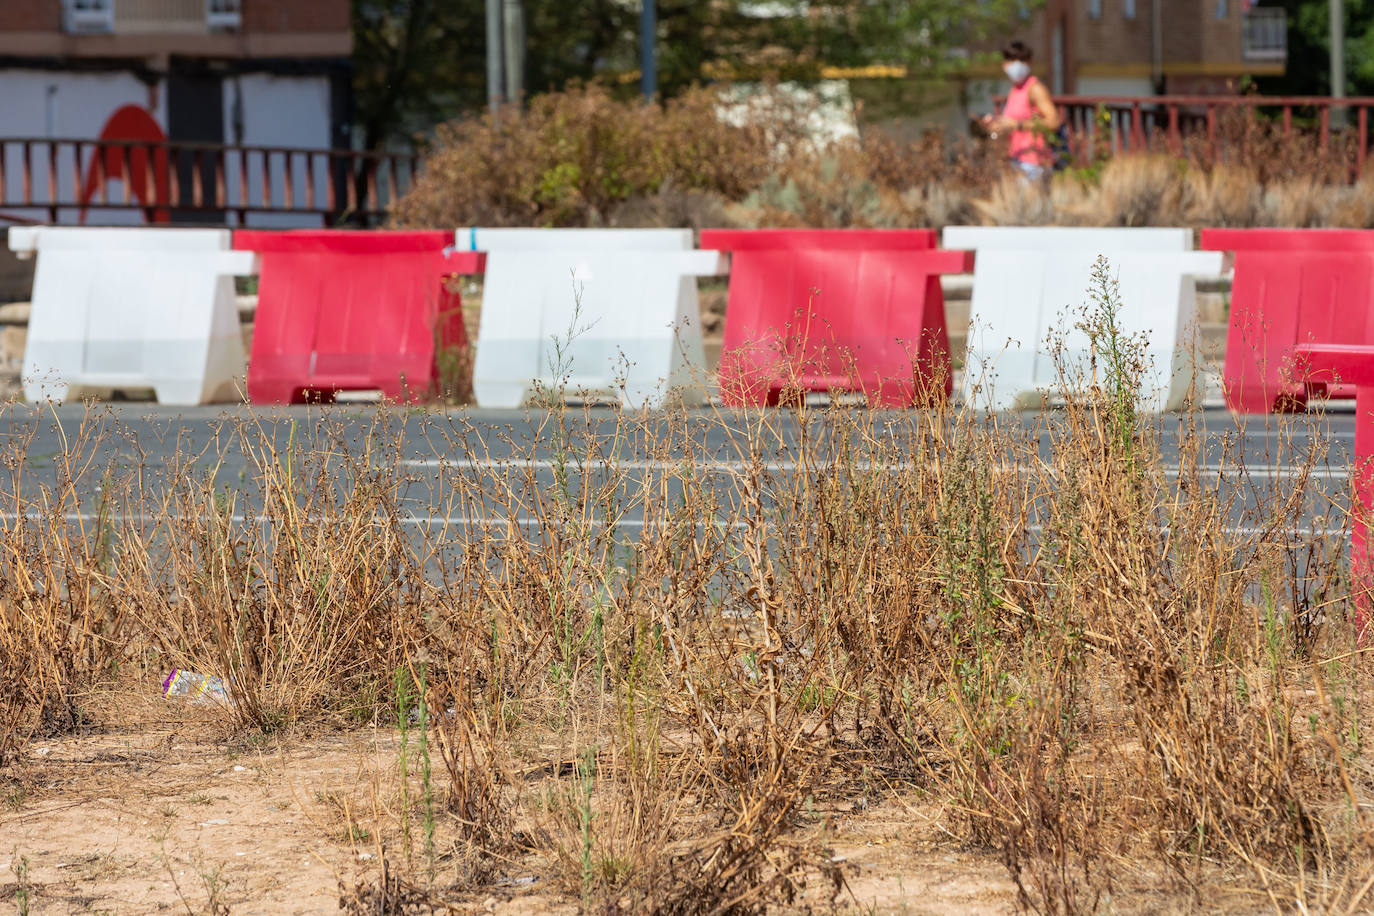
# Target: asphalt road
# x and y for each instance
(443, 459)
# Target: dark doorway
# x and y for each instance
(195, 114)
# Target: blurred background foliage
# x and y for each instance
(419, 63)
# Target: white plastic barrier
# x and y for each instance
(589, 311)
(133, 308)
(1031, 285)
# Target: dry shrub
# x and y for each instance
(1298, 203)
(391, 893)
(1353, 207)
(582, 158)
(681, 748)
(1145, 190)
(933, 158)
(829, 192)
(1255, 139)
(61, 629)
(1148, 626)
(877, 182)
(942, 205)
(1014, 201)
(572, 158)
(1225, 195)
(300, 594)
(671, 207)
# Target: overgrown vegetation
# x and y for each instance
(633, 668)
(583, 158)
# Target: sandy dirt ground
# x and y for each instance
(168, 819)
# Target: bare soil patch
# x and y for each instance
(171, 818)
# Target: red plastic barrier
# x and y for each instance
(1291, 286)
(1324, 364)
(343, 310)
(835, 310)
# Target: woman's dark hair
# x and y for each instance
(1016, 50)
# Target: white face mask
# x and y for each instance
(1016, 71)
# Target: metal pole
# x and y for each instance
(515, 51)
(648, 39)
(1157, 46)
(1337, 10)
(496, 60)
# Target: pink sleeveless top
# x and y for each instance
(1026, 145)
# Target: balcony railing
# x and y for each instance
(1222, 125)
(1265, 36)
(145, 17)
(71, 181)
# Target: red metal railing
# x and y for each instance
(1166, 122)
(73, 180)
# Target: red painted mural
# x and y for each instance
(139, 161)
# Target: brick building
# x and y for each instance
(257, 72)
(1146, 47)
(1109, 48)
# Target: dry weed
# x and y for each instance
(646, 644)
(1014, 201)
(826, 193)
(1225, 195)
(61, 627)
(1145, 190)
(301, 592)
(391, 893)
(1300, 203)
(1353, 207)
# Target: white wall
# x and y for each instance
(291, 111)
(81, 102)
(288, 111)
(41, 103)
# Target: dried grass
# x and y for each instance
(1145, 190)
(62, 630)
(1301, 203)
(1353, 207)
(1225, 195)
(1013, 201)
(1118, 677)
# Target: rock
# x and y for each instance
(15, 313)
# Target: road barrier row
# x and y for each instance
(614, 312)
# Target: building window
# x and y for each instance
(1094, 9)
(88, 16)
(1128, 8)
(1221, 9)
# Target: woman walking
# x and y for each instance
(1029, 115)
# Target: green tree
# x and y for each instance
(421, 61)
(1308, 71)
(418, 62)
(415, 62)
(926, 36)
